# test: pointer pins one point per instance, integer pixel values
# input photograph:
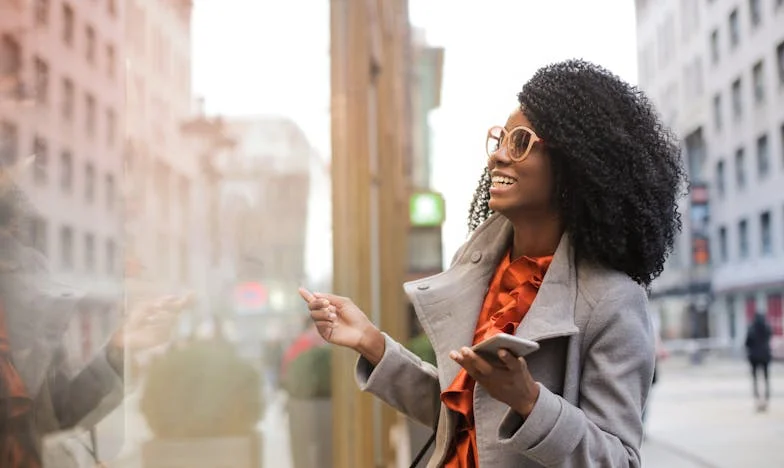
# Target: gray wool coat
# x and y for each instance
(594, 366)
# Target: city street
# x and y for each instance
(700, 416)
(704, 416)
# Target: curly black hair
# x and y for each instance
(617, 170)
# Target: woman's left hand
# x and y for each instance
(508, 381)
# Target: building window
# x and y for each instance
(66, 248)
(740, 168)
(9, 142)
(110, 191)
(111, 125)
(766, 239)
(66, 172)
(763, 156)
(781, 134)
(90, 40)
(780, 62)
(89, 182)
(717, 111)
(38, 234)
(41, 81)
(41, 12)
(10, 59)
(715, 48)
(720, 178)
(734, 29)
(68, 24)
(758, 76)
(723, 254)
(89, 253)
(111, 255)
(110, 60)
(743, 239)
(89, 102)
(755, 10)
(737, 99)
(68, 99)
(41, 152)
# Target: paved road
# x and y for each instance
(699, 417)
(704, 416)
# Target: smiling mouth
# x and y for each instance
(501, 181)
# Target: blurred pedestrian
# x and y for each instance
(759, 355)
(574, 215)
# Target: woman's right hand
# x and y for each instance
(339, 321)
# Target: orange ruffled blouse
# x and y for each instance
(16, 450)
(512, 291)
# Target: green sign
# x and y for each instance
(426, 209)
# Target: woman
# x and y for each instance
(573, 216)
(759, 356)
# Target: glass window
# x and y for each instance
(763, 156)
(758, 77)
(740, 168)
(743, 239)
(766, 239)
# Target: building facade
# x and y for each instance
(167, 169)
(715, 70)
(62, 100)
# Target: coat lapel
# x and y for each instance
(448, 304)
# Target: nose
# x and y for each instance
(499, 157)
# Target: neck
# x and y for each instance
(536, 236)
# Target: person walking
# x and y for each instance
(759, 355)
(573, 217)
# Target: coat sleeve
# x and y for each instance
(87, 397)
(404, 381)
(606, 429)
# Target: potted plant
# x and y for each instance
(308, 382)
(419, 434)
(202, 403)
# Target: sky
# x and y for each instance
(272, 57)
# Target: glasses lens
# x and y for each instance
(519, 141)
(494, 138)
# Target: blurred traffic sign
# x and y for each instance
(250, 295)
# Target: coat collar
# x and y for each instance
(448, 304)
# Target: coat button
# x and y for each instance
(476, 256)
(423, 287)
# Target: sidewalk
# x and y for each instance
(704, 416)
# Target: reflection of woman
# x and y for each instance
(583, 182)
(38, 393)
(759, 355)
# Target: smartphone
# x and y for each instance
(518, 347)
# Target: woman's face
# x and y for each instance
(523, 187)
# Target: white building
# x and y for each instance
(715, 69)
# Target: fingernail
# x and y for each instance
(502, 353)
(332, 316)
(453, 354)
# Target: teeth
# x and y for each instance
(503, 180)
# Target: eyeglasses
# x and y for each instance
(518, 141)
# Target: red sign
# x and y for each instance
(250, 295)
